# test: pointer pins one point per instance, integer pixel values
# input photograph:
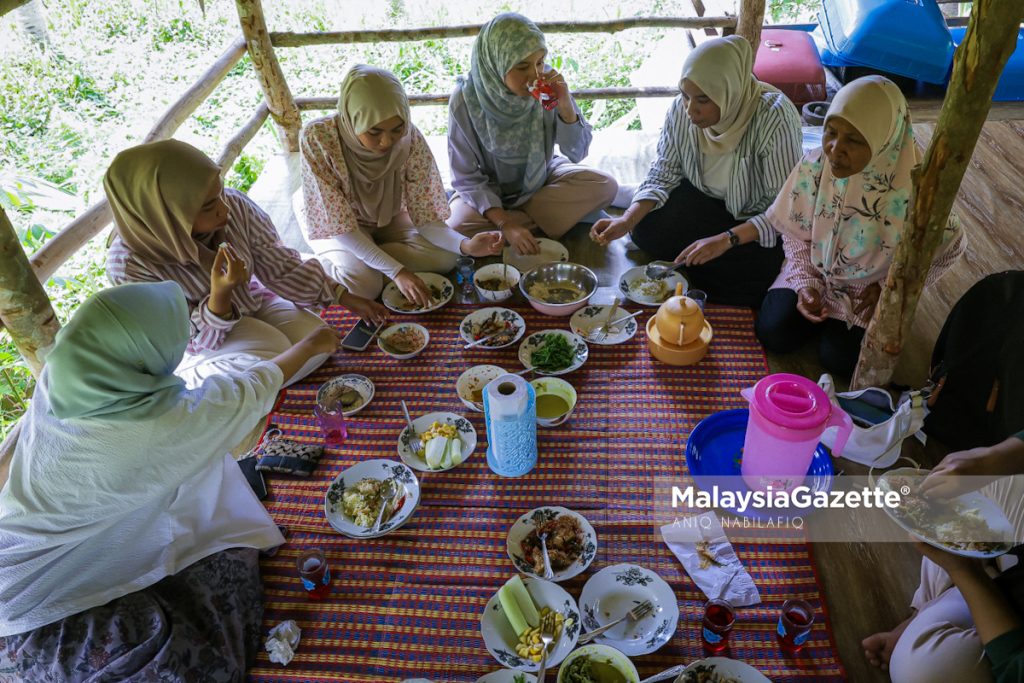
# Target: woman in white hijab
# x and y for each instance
(501, 142)
(374, 202)
(728, 143)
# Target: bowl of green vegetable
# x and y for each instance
(553, 352)
(597, 664)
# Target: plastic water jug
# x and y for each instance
(788, 414)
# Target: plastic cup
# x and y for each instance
(333, 425)
(699, 296)
(315, 573)
(794, 628)
(719, 618)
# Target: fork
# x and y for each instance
(595, 335)
(415, 443)
(603, 330)
(547, 636)
(635, 614)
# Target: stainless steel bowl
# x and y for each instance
(554, 273)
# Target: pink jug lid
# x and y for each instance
(792, 401)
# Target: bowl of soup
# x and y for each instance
(558, 288)
(597, 663)
(555, 399)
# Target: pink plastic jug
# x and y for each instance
(788, 414)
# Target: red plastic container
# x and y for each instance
(789, 60)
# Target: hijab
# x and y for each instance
(369, 96)
(723, 69)
(117, 355)
(854, 223)
(156, 190)
(510, 127)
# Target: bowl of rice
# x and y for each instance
(403, 341)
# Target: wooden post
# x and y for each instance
(990, 40)
(268, 70)
(24, 307)
(750, 21)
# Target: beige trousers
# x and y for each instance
(399, 239)
(570, 192)
(941, 643)
(273, 329)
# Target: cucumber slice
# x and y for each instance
(435, 451)
(456, 451)
(510, 606)
(524, 609)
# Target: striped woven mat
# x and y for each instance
(408, 605)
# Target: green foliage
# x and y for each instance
(245, 172)
(781, 11)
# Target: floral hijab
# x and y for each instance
(509, 126)
(853, 224)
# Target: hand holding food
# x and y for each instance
(370, 311)
(520, 238)
(413, 289)
(704, 250)
(482, 244)
(607, 230)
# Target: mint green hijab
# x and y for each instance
(117, 356)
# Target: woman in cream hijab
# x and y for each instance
(128, 533)
(728, 143)
(374, 202)
(247, 292)
(841, 213)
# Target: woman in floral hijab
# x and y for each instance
(841, 215)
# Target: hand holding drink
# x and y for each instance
(544, 92)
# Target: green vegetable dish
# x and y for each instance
(591, 670)
(555, 354)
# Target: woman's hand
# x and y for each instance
(810, 305)
(521, 239)
(704, 250)
(324, 339)
(954, 565)
(868, 299)
(566, 110)
(370, 311)
(228, 272)
(969, 470)
(483, 244)
(413, 288)
(607, 230)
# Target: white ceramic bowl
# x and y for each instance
(629, 280)
(534, 518)
(514, 323)
(725, 667)
(536, 341)
(390, 330)
(613, 591)
(467, 435)
(601, 653)
(476, 377)
(393, 298)
(558, 387)
(496, 271)
(371, 469)
(362, 385)
(553, 274)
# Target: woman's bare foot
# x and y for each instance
(878, 647)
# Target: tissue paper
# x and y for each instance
(700, 543)
(510, 413)
(282, 641)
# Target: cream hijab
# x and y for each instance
(370, 95)
(156, 191)
(723, 69)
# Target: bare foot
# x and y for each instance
(878, 647)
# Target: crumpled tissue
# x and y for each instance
(282, 641)
(713, 566)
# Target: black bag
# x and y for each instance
(978, 366)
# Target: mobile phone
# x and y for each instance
(253, 476)
(358, 338)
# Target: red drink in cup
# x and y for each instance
(315, 574)
(332, 425)
(719, 618)
(795, 620)
(544, 93)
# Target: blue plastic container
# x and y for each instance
(905, 37)
(1011, 84)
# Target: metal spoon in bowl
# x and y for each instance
(657, 270)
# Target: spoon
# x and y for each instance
(666, 674)
(389, 500)
(548, 572)
(656, 270)
(414, 439)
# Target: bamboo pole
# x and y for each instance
(268, 71)
(238, 142)
(25, 309)
(293, 39)
(750, 21)
(990, 40)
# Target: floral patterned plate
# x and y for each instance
(615, 590)
(407, 502)
(589, 319)
(640, 289)
(440, 287)
(467, 435)
(534, 518)
(536, 341)
(514, 324)
(507, 676)
(501, 640)
(550, 250)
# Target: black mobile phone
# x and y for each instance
(358, 338)
(253, 476)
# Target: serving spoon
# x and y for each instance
(657, 270)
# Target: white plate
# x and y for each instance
(987, 508)
(477, 376)
(479, 316)
(589, 318)
(393, 298)
(615, 590)
(507, 676)
(391, 330)
(362, 385)
(530, 521)
(501, 641)
(467, 435)
(634, 274)
(550, 250)
(536, 341)
(371, 469)
(744, 673)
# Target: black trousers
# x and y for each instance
(739, 277)
(782, 329)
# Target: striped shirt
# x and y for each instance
(768, 151)
(275, 269)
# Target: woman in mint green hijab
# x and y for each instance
(128, 534)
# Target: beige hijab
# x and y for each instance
(156, 191)
(368, 96)
(723, 69)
